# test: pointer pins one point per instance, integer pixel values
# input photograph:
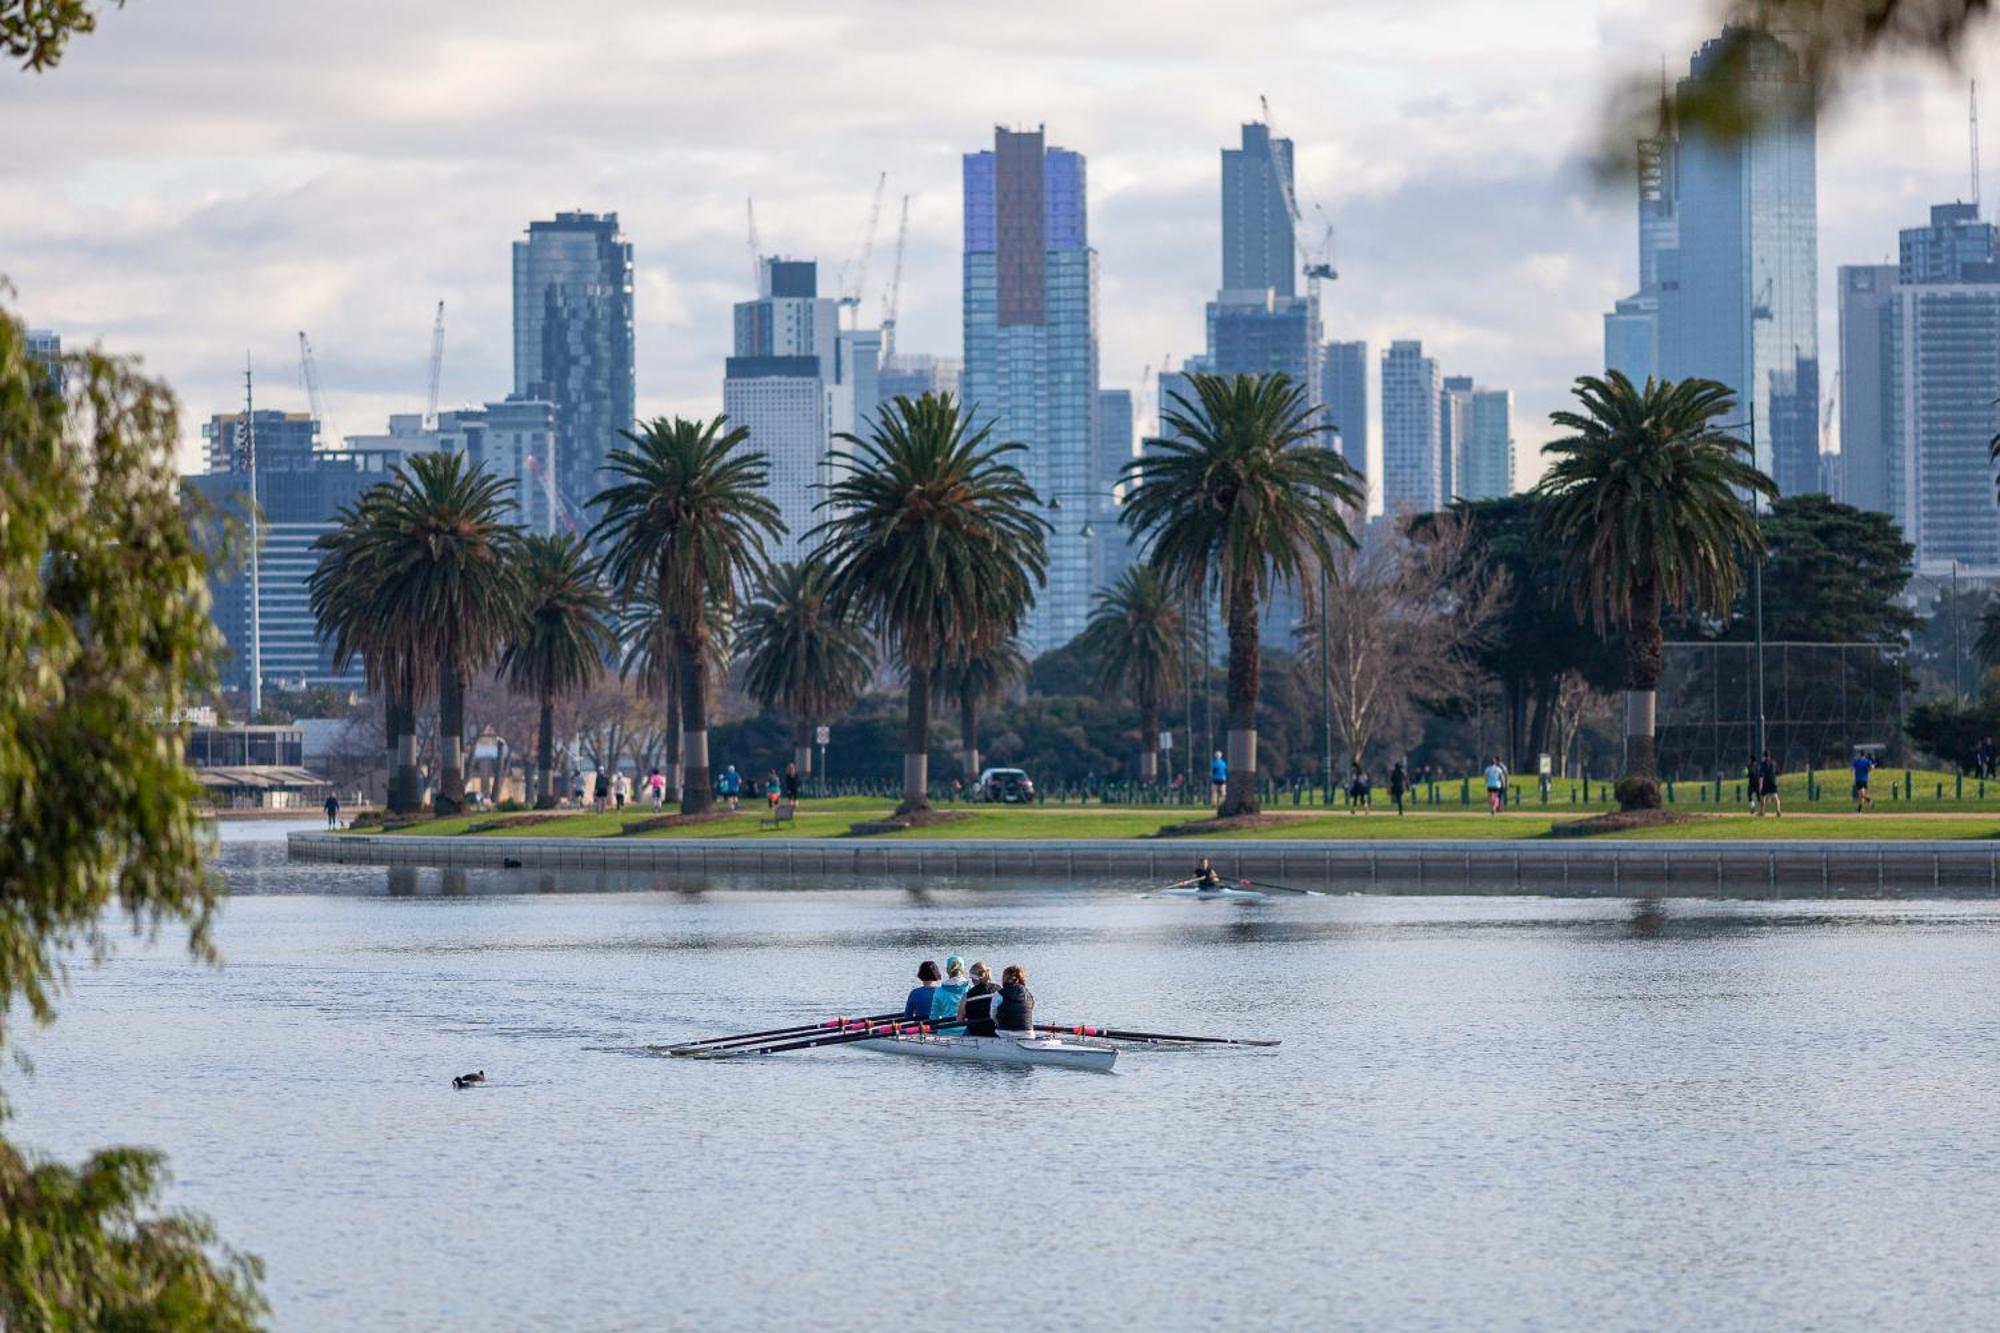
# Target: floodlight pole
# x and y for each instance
(1757, 597)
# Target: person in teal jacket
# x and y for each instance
(952, 989)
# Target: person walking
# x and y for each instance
(1496, 786)
(790, 782)
(1218, 779)
(1399, 781)
(1767, 786)
(1864, 768)
(332, 810)
(603, 791)
(1358, 790)
(771, 790)
(730, 785)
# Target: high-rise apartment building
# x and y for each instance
(1031, 350)
(1739, 289)
(912, 375)
(514, 439)
(45, 346)
(1632, 329)
(1115, 444)
(1866, 293)
(1343, 388)
(1954, 243)
(573, 341)
(780, 386)
(1258, 324)
(1412, 437)
(226, 442)
(1454, 424)
(1475, 440)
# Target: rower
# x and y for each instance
(952, 990)
(1016, 1010)
(1205, 876)
(980, 1002)
(922, 1003)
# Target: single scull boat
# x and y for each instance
(1006, 1049)
(1226, 891)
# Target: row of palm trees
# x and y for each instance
(934, 547)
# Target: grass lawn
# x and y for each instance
(832, 819)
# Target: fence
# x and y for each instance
(1820, 700)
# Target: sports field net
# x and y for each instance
(1820, 701)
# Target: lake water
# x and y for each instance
(1491, 1112)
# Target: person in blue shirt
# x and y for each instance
(1218, 778)
(1863, 768)
(951, 990)
(923, 1001)
(730, 785)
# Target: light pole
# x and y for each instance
(1326, 677)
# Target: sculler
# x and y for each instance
(1205, 875)
(980, 1002)
(952, 990)
(1016, 1010)
(922, 1003)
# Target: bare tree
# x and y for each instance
(1403, 619)
(1577, 708)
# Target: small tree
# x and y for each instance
(561, 642)
(1134, 639)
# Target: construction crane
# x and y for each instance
(850, 296)
(756, 249)
(437, 370)
(558, 506)
(309, 372)
(895, 292)
(1318, 259)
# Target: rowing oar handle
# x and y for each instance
(867, 1030)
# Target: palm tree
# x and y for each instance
(448, 570)
(980, 675)
(649, 654)
(345, 595)
(798, 657)
(1646, 498)
(687, 518)
(561, 642)
(1239, 498)
(933, 536)
(1134, 639)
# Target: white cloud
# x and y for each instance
(198, 180)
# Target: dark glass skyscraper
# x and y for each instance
(1031, 351)
(1739, 292)
(573, 340)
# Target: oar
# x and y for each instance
(1177, 884)
(858, 1031)
(1126, 1034)
(796, 1029)
(1281, 888)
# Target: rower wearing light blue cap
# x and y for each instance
(952, 989)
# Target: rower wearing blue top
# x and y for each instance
(923, 1002)
(951, 990)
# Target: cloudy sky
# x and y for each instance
(204, 178)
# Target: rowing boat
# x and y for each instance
(1226, 891)
(1007, 1049)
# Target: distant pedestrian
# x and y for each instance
(790, 779)
(772, 788)
(576, 789)
(1399, 781)
(1358, 790)
(332, 811)
(656, 788)
(601, 790)
(1864, 768)
(1218, 779)
(1767, 786)
(730, 786)
(1496, 786)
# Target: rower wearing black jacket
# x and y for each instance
(979, 1003)
(1016, 1010)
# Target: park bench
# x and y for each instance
(784, 812)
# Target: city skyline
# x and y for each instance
(120, 231)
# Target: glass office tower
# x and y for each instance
(1031, 352)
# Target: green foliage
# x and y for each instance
(35, 31)
(1949, 731)
(82, 1249)
(798, 656)
(104, 631)
(1833, 574)
(561, 639)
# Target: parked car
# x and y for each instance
(1006, 784)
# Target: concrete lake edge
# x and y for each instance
(1669, 869)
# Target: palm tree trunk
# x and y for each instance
(917, 734)
(545, 744)
(1240, 797)
(697, 789)
(1149, 739)
(406, 783)
(674, 783)
(1645, 657)
(802, 749)
(968, 735)
(450, 797)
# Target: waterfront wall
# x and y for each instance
(1684, 869)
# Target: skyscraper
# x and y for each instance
(1344, 390)
(1454, 424)
(573, 340)
(779, 386)
(1257, 323)
(1866, 293)
(1114, 451)
(1632, 329)
(1475, 440)
(1031, 350)
(1412, 457)
(1739, 299)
